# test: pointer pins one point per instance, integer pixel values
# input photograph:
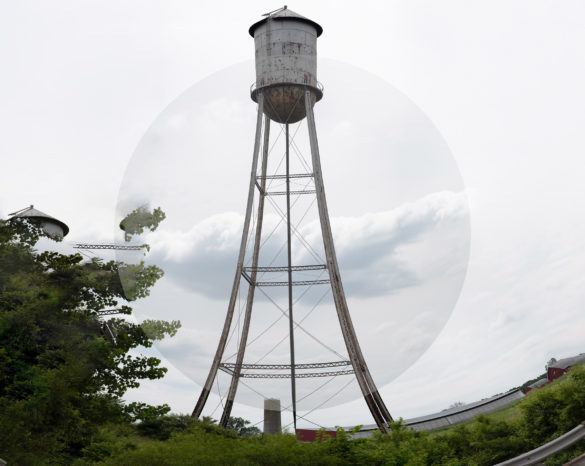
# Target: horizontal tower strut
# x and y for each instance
(297, 283)
(118, 247)
(294, 268)
(283, 177)
(310, 365)
(284, 193)
(110, 312)
(284, 375)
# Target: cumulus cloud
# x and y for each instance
(379, 253)
(200, 258)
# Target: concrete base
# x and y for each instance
(272, 420)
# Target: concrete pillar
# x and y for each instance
(272, 424)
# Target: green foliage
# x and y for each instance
(140, 219)
(136, 279)
(161, 428)
(22, 230)
(556, 408)
(400, 447)
(145, 412)
(158, 329)
(110, 440)
(60, 377)
(242, 427)
(342, 445)
(525, 385)
(200, 446)
(485, 441)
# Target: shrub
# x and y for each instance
(162, 427)
(550, 412)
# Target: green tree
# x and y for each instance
(63, 368)
(242, 427)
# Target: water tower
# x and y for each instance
(286, 89)
(51, 226)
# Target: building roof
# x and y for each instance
(285, 13)
(447, 412)
(539, 383)
(31, 212)
(568, 362)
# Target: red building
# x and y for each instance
(538, 384)
(555, 370)
(310, 435)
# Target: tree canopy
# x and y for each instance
(64, 366)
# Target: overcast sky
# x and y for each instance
(492, 89)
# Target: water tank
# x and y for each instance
(50, 225)
(286, 64)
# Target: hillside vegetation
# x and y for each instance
(541, 416)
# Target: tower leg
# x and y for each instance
(233, 298)
(290, 291)
(250, 300)
(369, 391)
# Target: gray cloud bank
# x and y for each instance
(379, 253)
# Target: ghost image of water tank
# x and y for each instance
(286, 64)
(51, 226)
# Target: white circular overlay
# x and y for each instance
(399, 217)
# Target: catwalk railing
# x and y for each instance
(230, 369)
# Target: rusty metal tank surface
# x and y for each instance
(286, 64)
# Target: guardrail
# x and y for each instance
(554, 446)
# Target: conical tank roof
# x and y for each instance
(36, 214)
(285, 13)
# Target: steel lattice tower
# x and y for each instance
(286, 90)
